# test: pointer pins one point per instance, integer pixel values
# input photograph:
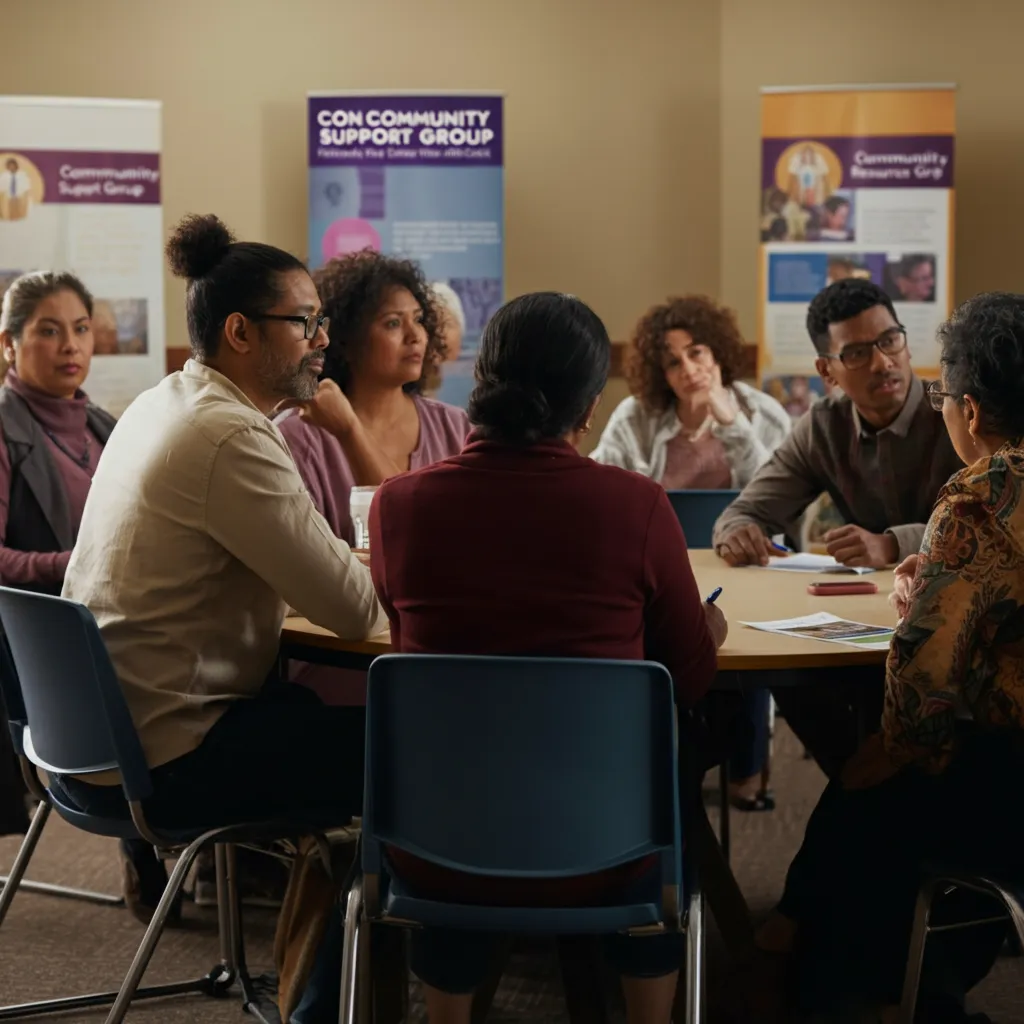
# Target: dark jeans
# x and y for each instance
(853, 885)
(830, 717)
(749, 757)
(279, 754)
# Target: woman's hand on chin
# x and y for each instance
(720, 399)
(329, 409)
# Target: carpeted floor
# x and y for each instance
(51, 947)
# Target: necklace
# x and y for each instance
(82, 461)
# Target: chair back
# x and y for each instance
(521, 767)
(76, 718)
(697, 512)
(11, 703)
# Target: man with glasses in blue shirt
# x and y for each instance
(876, 446)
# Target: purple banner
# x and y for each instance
(876, 161)
(62, 176)
(413, 131)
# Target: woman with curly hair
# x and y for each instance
(369, 420)
(690, 424)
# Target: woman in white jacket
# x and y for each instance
(691, 425)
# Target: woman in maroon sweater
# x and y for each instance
(551, 554)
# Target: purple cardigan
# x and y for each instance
(326, 472)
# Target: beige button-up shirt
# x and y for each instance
(196, 532)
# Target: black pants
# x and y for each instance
(853, 885)
(274, 755)
(831, 717)
(13, 813)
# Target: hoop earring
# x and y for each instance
(585, 429)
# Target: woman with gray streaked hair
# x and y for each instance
(453, 324)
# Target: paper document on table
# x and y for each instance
(832, 629)
(805, 562)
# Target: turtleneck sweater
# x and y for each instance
(63, 423)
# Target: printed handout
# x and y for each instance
(805, 562)
(831, 629)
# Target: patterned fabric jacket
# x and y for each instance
(959, 652)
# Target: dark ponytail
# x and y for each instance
(544, 359)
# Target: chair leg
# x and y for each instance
(719, 883)
(229, 906)
(350, 953)
(25, 851)
(232, 930)
(915, 954)
(103, 899)
(695, 959)
(156, 926)
(217, 981)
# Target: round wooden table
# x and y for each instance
(748, 594)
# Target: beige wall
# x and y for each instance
(975, 44)
(609, 197)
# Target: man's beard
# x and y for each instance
(285, 380)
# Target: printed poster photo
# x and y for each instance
(806, 202)
(120, 327)
(21, 186)
(910, 278)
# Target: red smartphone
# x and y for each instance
(842, 587)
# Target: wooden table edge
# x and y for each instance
(760, 662)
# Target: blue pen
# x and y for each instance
(713, 596)
(782, 548)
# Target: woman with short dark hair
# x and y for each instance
(520, 546)
(940, 782)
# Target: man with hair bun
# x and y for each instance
(197, 532)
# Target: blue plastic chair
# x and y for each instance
(69, 717)
(15, 881)
(527, 768)
(697, 512)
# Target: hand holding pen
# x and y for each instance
(716, 620)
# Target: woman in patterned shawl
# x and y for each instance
(941, 780)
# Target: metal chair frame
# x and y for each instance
(923, 928)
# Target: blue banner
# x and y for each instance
(420, 177)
